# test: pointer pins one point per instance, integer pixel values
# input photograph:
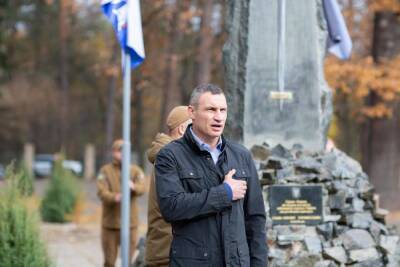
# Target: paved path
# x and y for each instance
(77, 244)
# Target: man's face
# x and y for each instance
(209, 116)
(117, 154)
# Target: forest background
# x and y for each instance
(60, 78)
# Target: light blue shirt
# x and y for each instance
(205, 147)
(214, 154)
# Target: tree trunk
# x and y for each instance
(110, 115)
(63, 72)
(203, 58)
(381, 140)
(171, 93)
(137, 137)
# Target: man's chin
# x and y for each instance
(216, 134)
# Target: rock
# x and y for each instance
(264, 182)
(313, 244)
(272, 234)
(371, 263)
(338, 229)
(302, 178)
(337, 242)
(285, 172)
(359, 220)
(337, 254)
(289, 229)
(278, 263)
(288, 239)
(327, 244)
(338, 200)
(311, 231)
(325, 263)
(353, 232)
(260, 152)
(340, 186)
(282, 152)
(287, 234)
(276, 162)
(297, 147)
(368, 254)
(389, 243)
(267, 177)
(393, 260)
(297, 249)
(376, 229)
(326, 230)
(357, 239)
(307, 165)
(277, 253)
(358, 204)
(268, 174)
(346, 167)
(305, 260)
(365, 189)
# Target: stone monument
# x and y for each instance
(257, 114)
(320, 206)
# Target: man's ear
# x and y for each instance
(191, 111)
(181, 129)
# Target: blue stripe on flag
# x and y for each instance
(116, 12)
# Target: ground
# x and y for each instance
(78, 243)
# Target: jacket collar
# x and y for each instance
(190, 139)
(116, 163)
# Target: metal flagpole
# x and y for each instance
(126, 162)
(281, 49)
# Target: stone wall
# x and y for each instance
(353, 232)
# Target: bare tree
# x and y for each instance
(202, 66)
(171, 94)
(381, 137)
(63, 65)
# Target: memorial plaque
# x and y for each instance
(295, 204)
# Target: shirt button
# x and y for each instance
(205, 254)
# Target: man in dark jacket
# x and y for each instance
(208, 189)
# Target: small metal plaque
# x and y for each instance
(296, 204)
(277, 95)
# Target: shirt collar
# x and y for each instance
(204, 146)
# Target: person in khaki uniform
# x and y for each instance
(109, 192)
(159, 233)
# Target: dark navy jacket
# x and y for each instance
(208, 228)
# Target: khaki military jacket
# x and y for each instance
(109, 185)
(159, 233)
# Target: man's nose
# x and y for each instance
(218, 116)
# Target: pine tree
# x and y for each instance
(20, 244)
(61, 195)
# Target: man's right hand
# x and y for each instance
(117, 197)
(238, 187)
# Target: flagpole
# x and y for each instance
(126, 160)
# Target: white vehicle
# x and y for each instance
(43, 165)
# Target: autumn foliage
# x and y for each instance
(358, 78)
